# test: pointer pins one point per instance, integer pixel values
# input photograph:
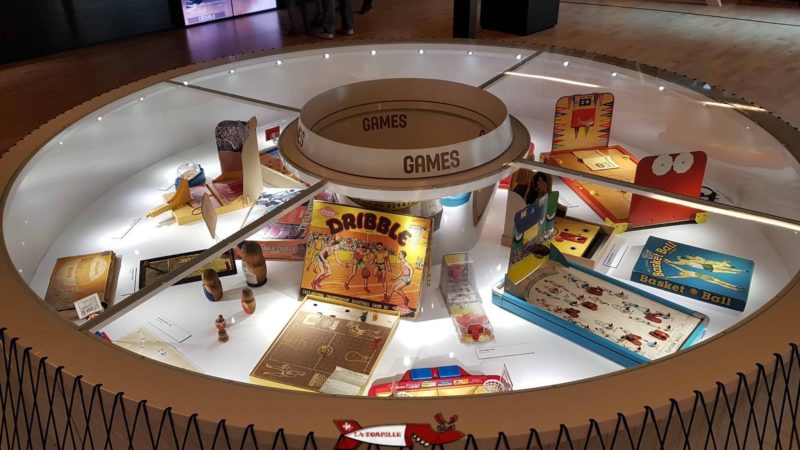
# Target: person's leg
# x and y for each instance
(328, 16)
(346, 10)
(366, 6)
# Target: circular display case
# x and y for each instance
(84, 182)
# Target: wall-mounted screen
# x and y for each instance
(199, 11)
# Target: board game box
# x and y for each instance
(151, 269)
(620, 322)
(327, 346)
(77, 277)
(701, 274)
(366, 257)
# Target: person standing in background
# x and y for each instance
(366, 6)
(329, 18)
(302, 16)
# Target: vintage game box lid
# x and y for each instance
(694, 272)
(79, 276)
(366, 257)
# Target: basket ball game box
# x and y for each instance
(701, 274)
(365, 257)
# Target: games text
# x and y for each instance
(384, 121)
(430, 163)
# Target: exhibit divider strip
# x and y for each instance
(491, 81)
(166, 280)
(242, 98)
(664, 196)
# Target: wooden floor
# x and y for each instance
(752, 50)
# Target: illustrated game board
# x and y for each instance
(624, 324)
(366, 257)
(694, 272)
(322, 336)
(534, 227)
(573, 237)
(150, 269)
(77, 277)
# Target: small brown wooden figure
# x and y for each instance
(220, 322)
(222, 335)
(254, 265)
(248, 301)
(212, 287)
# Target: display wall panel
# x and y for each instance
(93, 156)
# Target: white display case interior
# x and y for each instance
(83, 192)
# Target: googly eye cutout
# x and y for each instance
(662, 164)
(683, 162)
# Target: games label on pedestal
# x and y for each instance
(366, 257)
(694, 272)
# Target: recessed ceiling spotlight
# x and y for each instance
(519, 56)
(279, 62)
(141, 99)
(566, 63)
(232, 71)
(421, 51)
(327, 56)
(613, 74)
(661, 88)
(469, 52)
(60, 142)
(99, 118)
(185, 83)
(373, 52)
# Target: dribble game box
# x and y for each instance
(365, 257)
(704, 275)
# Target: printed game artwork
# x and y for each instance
(285, 238)
(694, 272)
(534, 227)
(321, 337)
(681, 173)
(583, 121)
(77, 277)
(525, 187)
(151, 269)
(366, 257)
(574, 237)
(147, 344)
(630, 325)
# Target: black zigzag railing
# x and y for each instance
(43, 407)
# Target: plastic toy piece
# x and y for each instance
(181, 197)
(212, 287)
(462, 299)
(441, 381)
(248, 301)
(660, 335)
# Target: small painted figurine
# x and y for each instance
(363, 317)
(222, 335)
(254, 265)
(248, 301)
(212, 287)
(220, 322)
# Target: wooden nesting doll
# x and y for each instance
(254, 265)
(212, 287)
(248, 301)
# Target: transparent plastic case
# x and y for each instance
(463, 302)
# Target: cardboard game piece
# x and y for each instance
(463, 302)
(480, 201)
(349, 247)
(77, 277)
(238, 184)
(701, 274)
(524, 187)
(534, 227)
(322, 336)
(209, 215)
(583, 121)
(681, 173)
(583, 242)
(620, 322)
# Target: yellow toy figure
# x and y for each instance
(699, 262)
(707, 278)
